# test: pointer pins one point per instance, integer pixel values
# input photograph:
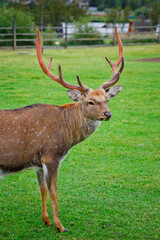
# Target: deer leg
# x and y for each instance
(51, 171)
(43, 190)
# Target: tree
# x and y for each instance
(94, 3)
(134, 4)
(127, 13)
(118, 3)
(124, 4)
(3, 3)
(145, 11)
(102, 5)
(155, 13)
(59, 10)
(113, 15)
(23, 19)
(18, 4)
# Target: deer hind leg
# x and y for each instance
(43, 190)
(51, 171)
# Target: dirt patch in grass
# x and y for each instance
(148, 60)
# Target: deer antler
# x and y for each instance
(116, 74)
(47, 71)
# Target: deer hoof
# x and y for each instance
(65, 230)
(48, 224)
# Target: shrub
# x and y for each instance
(23, 19)
(49, 35)
(143, 11)
(84, 31)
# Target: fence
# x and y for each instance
(68, 35)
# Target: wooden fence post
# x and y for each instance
(14, 33)
(114, 37)
(158, 28)
(66, 37)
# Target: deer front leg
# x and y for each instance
(43, 190)
(51, 171)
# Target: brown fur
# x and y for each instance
(41, 135)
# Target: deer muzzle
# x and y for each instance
(108, 115)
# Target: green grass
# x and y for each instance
(108, 187)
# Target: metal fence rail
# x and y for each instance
(20, 37)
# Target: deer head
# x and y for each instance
(94, 102)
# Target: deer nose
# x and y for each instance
(108, 114)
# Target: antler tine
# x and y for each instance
(122, 65)
(47, 70)
(50, 64)
(81, 84)
(116, 74)
(115, 77)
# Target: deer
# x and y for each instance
(40, 135)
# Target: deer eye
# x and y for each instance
(90, 103)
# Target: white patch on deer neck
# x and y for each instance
(93, 125)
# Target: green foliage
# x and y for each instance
(113, 15)
(143, 11)
(134, 4)
(83, 30)
(140, 41)
(4, 3)
(59, 11)
(103, 5)
(55, 12)
(18, 5)
(108, 187)
(23, 19)
(127, 13)
(155, 13)
(49, 35)
(6, 17)
(148, 8)
(118, 4)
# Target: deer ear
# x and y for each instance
(113, 91)
(74, 95)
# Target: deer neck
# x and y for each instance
(92, 125)
(79, 127)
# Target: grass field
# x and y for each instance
(108, 187)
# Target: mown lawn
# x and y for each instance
(108, 187)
